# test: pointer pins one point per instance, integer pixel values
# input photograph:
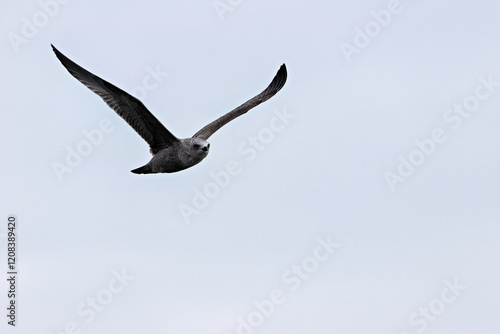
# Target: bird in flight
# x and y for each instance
(170, 154)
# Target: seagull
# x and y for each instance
(170, 154)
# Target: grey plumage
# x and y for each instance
(170, 154)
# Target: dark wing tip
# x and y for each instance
(62, 58)
(278, 82)
(279, 79)
(282, 68)
(54, 49)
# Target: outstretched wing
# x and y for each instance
(128, 107)
(275, 85)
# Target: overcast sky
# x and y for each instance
(362, 198)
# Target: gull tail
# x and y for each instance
(142, 170)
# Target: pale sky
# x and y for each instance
(362, 198)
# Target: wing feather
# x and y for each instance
(275, 85)
(128, 107)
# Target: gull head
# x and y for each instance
(193, 151)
